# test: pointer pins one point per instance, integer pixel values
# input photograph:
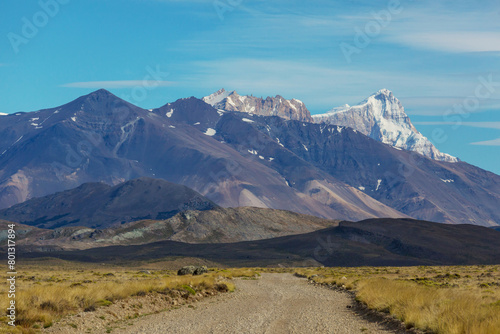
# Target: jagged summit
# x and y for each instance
(384, 91)
(216, 97)
(270, 106)
(382, 117)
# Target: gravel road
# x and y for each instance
(275, 303)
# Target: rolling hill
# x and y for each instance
(375, 242)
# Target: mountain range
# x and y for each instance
(274, 156)
(381, 116)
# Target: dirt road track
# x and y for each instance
(275, 303)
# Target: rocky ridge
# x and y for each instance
(270, 106)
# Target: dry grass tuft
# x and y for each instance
(238, 272)
(441, 310)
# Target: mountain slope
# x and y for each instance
(99, 205)
(270, 106)
(382, 117)
(249, 140)
(420, 187)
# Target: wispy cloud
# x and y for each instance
(443, 105)
(119, 84)
(483, 125)
(438, 26)
(281, 51)
(494, 142)
(455, 41)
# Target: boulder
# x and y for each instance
(187, 270)
(192, 270)
(200, 270)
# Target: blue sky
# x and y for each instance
(436, 56)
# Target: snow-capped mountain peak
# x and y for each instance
(270, 106)
(216, 97)
(384, 91)
(382, 117)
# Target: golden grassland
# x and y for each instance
(451, 300)
(448, 300)
(45, 295)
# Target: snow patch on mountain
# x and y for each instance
(382, 117)
(210, 132)
(12, 145)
